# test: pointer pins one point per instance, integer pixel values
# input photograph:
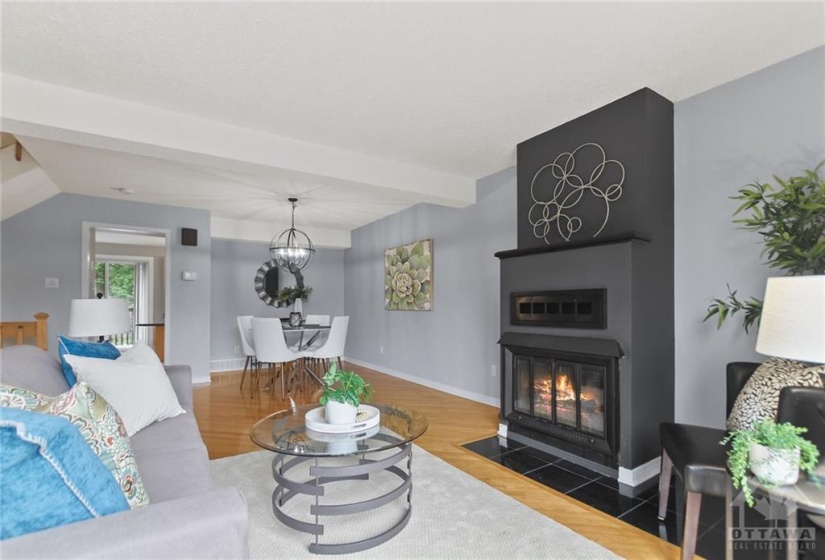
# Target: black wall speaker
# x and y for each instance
(189, 237)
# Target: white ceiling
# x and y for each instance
(417, 99)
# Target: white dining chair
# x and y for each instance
(245, 328)
(271, 349)
(333, 348)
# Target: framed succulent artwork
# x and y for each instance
(408, 277)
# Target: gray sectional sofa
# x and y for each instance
(186, 518)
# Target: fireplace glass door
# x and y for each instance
(521, 381)
(543, 389)
(562, 392)
(592, 399)
(565, 386)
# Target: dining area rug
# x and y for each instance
(454, 516)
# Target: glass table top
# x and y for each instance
(286, 432)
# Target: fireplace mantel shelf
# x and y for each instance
(569, 246)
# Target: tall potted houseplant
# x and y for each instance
(343, 393)
(790, 218)
(774, 453)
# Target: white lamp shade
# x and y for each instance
(98, 317)
(792, 325)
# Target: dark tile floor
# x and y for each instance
(602, 493)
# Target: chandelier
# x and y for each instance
(291, 249)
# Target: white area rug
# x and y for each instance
(454, 516)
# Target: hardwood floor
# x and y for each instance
(225, 416)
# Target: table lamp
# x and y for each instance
(98, 317)
(792, 324)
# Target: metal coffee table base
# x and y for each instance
(286, 489)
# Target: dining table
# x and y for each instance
(304, 328)
(313, 331)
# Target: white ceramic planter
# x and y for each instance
(774, 466)
(340, 413)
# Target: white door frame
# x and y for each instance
(86, 260)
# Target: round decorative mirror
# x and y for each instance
(266, 283)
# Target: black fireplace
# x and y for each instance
(587, 307)
(567, 399)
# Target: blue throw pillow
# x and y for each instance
(105, 350)
(49, 476)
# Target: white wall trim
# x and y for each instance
(646, 471)
(484, 399)
(226, 364)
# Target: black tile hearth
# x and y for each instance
(520, 461)
(492, 447)
(605, 499)
(602, 493)
(645, 517)
(558, 479)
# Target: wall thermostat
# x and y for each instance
(189, 275)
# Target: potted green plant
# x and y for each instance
(343, 393)
(774, 453)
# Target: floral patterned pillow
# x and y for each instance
(759, 398)
(99, 424)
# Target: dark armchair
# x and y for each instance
(694, 454)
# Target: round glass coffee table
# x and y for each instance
(286, 434)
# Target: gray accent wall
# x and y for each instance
(46, 241)
(769, 122)
(453, 345)
(234, 265)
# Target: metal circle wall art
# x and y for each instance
(556, 208)
(266, 283)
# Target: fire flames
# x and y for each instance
(564, 388)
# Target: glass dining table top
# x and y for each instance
(304, 327)
(286, 432)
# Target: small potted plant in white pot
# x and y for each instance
(343, 393)
(774, 453)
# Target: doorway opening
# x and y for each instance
(131, 263)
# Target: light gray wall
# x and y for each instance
(770, 122)
(234, 265)
(46, 241)
(455, 343)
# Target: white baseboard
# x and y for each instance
(646, 471)
(502, 430)
(226, 364)
(492, 401)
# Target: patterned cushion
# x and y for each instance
(99, 424)
(74, 347)
(49, 476)
(759, 398)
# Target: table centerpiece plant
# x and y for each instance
(343, 393)
(774, 453)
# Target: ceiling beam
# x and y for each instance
(24, 184)
(246, 230)
(52, 112)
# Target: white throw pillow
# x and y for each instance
(135, 385)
